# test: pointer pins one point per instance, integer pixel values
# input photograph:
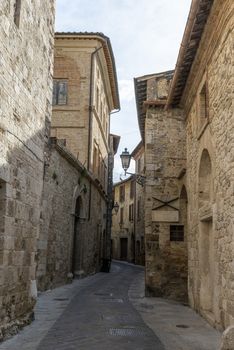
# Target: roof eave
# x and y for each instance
(189, 46)
(109, 56)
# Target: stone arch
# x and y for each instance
(78, 193)
(205, 179)
(78, 232)
(183, 220)
(206, 235)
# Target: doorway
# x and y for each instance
(123, 248)
(76, 255)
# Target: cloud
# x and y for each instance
(126, 90)
(145, 37)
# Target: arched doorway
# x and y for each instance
(182, 241)
(206, 237)
(76, 254)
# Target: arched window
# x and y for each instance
(205, 179)
(78, 207)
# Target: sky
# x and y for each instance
(145, 37)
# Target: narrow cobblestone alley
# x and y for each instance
(99, 316)
(109, 311)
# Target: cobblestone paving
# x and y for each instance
(101, 317)
(93, 313)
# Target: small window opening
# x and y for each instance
(177, 233)
(203, 103)
(59, 92)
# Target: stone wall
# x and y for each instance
(72, 221)
(166, 258)
(210, 170)
(123, 231)
(26, 46)
(139, 156)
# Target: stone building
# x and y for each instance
(163, 135)
(75, 225)
(26, 46)
(128, 223)
(186, 120)
(139, 213)
(123, 229)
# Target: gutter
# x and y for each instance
(90, 125)
(186, 37)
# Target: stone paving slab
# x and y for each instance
(50, 305)
(109, 311)
(177, 326)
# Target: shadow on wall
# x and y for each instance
(21, 183)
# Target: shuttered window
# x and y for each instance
(131, 212)
(59, 92)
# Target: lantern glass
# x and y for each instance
(125, 159)
(116, 207)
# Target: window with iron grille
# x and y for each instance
(59, 92)
(177, 233)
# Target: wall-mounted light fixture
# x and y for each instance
(125, 160)
(116, 208)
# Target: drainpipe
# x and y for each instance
(90, 123)
(135, 217)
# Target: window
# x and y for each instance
(202, 109)
(132, 189)
(59, 92)
(131, 212)
(122, 193)
(17, 9)
(203, 103)
(121, 215)
(177, 233)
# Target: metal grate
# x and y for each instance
(126, 332)
(177, 233)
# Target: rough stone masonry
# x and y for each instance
(26, 46)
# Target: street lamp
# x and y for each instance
(125, 160)
(116, 207)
